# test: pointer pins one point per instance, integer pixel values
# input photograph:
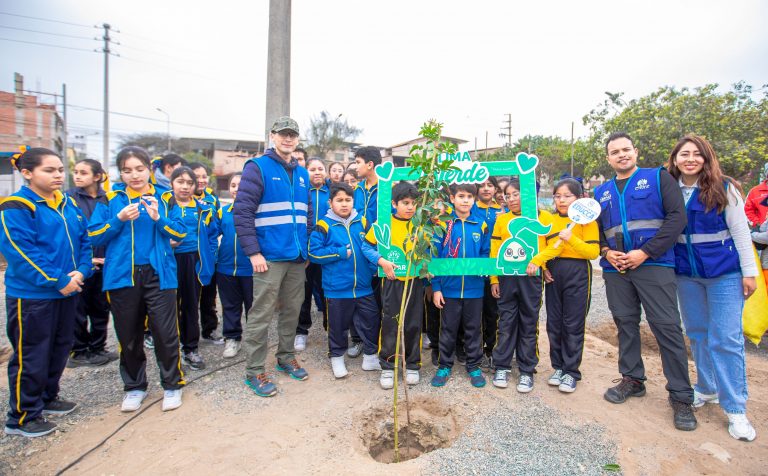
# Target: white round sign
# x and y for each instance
(584, 210)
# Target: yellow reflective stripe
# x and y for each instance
(21, 365)
(99, 231)
(174, 233)
(19, 199)
(8, 235)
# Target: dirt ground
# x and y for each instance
(319, 426)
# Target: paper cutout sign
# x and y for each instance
(514, 253)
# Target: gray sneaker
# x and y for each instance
(525, 383)
(554, 380)
(194, 360)
(214, 338)
(501, 378)
(355, 349)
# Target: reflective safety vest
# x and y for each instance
(634, 215)
(281, 217)
(705, 248)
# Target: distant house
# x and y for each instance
(25, 121)
(228, 157)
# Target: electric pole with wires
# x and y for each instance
(106, 51)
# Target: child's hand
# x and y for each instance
(72, 287)
(150, 203)
(495, 292)
(175, 243)
(349, 251)
(388, 267)
(565, 234)
(437, 298)
(532, 269)
(97, 262)
(548, 276)
(77, 277)
(129, 212)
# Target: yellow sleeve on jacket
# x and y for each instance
(370, 237)
(588, 246)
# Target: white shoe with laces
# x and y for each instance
(171, 399)
(338, 367)
(132, 400)
(501, 378)
(740, 428)
(300, 342)
(371, 362)
(412, 377)
(387, 379)
(231, 348)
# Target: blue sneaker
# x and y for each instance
(441, 377)
(293, 369)
(476, 378)
(261, 385)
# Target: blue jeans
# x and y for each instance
(711, 310)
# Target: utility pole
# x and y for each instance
(278, 64)
(508, 129)
(107, 39)
(167, 127)
(571, 148)
(64, 141)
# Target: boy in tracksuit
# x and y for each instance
(460, 298)
(335, 244)
(404, 197)
(234, 275)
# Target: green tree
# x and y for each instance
(327, 133)
(734, 122)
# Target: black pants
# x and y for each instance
(188, 300)
(655, 288)
(490, 319)
(432, 323)
(567, 300)
(130, 306)
(376, 286)
(41, 334)
(92, 306)
(519, 306)
(391, 296)
(343, 313)
(313, 287)
(236, 294)
(208, 320)
(466, 314)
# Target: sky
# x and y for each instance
(385, 66)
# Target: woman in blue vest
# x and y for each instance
(45, 241)
(137, 227)
(716, 272)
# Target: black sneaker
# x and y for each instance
(214, 338)
(86, 359)
(486, 363)
(436, 357)
(683, 417)
(194, 360)
(112, 356)
(32, 429)
(627, 387)
(59, 407)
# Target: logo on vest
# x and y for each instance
(606, 196)
(642, 184)
(301, 182)
(276, 178)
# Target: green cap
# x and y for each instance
(285, 123)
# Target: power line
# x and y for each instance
(64, 35)
(47, 44)
(48, 20)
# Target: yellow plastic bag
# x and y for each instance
(755, 315)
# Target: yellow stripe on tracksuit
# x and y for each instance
(21, 364)
(32, 263)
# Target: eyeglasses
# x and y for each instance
(563, 197)
(512, 196)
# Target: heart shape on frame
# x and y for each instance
(385, 170)
(526, 163)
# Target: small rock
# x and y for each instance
(717, 451)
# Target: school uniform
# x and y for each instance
(346, 281)
(208, 319)
(366, 201)
(195, 262)
(519, 307)
(464, 238)
(234, 276)
(569, 295)
(43, 241)
(391, 299)
(140, 277)
(313, 286)
(92, 304)
(488, 212)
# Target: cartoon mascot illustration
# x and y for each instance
(515, 252)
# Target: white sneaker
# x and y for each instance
(501, 378)
(231, 348)
(425, 342)
(338, 367)
(355, 350)
(371, 362)
(700, 399)
(300, 342)
(740, 428)
(132, 400)
(525, 383)
(171, 400)
(412, 377)
(387, 379)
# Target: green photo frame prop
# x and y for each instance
(514, 253)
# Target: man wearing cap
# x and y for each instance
(272, 218)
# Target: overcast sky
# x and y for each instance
(386, 66)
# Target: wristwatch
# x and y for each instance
(604, 252)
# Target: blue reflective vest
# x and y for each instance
(636, 214)
(705, 248)
(281, 217)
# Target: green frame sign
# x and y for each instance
(514, 253)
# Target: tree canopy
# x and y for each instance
(327, 133)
